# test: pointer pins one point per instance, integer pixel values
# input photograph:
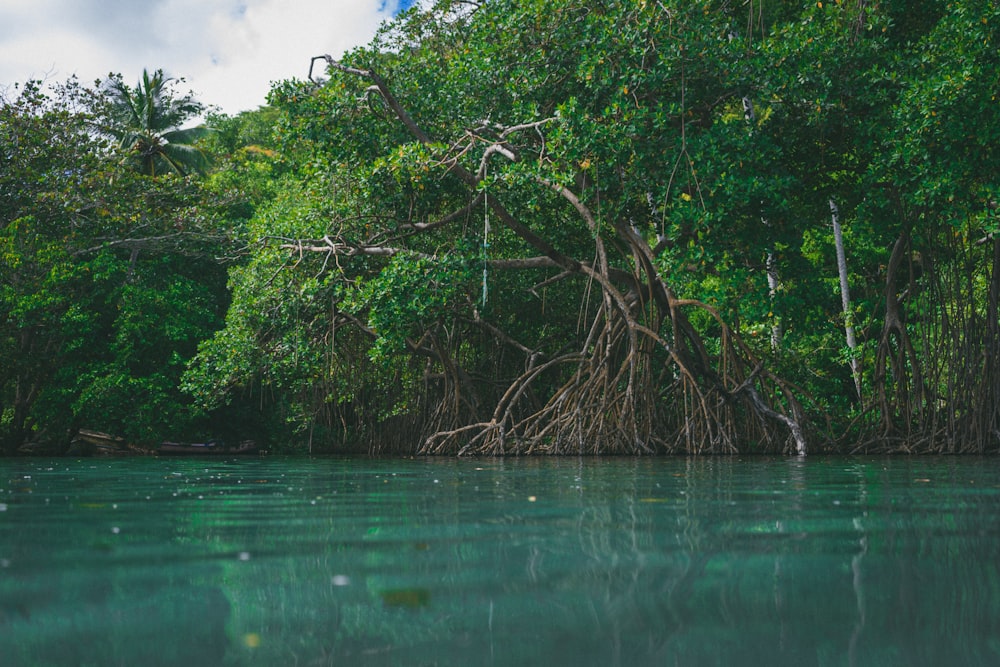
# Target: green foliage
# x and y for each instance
(108, 279)
(640, 110)
(409, 296)
(525, 151)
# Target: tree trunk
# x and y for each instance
(845, 297)
(773, 283)
(990, 402)
(898, 382)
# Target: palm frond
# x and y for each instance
(185, 159)
(186, 136)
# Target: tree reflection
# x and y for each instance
(583, 562)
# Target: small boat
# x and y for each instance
(96, 443)
(212, 447)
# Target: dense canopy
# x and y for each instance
(515, 226)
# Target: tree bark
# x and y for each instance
(773, 283)
(845, 297)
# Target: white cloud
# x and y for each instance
(228, 51)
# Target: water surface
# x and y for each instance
(294, 561)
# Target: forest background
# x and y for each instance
(526, 226)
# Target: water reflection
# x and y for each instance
(507, 562)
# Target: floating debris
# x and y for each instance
(410, 598)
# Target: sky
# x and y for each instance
(227, 51)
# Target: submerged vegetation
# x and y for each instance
(518, 227)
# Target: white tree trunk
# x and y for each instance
(773, 283)
(845, 296)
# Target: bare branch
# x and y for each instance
(451, 217)
(464, 174)
(383, 89)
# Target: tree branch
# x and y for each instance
(464, 174)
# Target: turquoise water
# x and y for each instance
(287, 561)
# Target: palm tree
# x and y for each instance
(146, 122)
